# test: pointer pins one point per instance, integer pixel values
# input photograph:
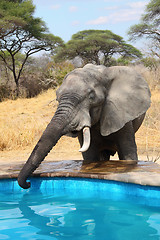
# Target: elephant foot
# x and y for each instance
(106, 154)
(128, 157)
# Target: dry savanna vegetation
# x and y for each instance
(148, 136)
(22, 122)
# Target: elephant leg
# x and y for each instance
(104, 155)
(127, 148)
(92, 154)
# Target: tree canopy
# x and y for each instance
(149, 25)
(21, 32)
(97, 46)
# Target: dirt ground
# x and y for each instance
(66, 149)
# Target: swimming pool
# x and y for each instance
(79, 209)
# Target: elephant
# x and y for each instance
(103, 107)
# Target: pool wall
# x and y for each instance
(145, 194)
(121, 178)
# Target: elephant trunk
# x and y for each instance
(48, 140)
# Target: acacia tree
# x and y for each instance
(21, 32)
(149, 26)
(97, 46)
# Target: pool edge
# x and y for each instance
(142, 173)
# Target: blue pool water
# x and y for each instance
(79, 209)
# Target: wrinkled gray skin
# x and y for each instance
(110, 101)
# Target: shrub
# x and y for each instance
(59, 70)
(34, 83)
(151, 63)
(5, 92)
(37, 79)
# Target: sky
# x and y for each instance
(66, 17)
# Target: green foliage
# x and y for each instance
(60, 70)
(150, 63)
(13, 14)
(123, 61)
(149, 24)
(22, 32)
(152, 11)
(98, 46)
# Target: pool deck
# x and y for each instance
(143, 173)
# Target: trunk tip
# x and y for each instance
(24, 185)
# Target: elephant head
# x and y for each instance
(111, 96)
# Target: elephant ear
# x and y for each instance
(128, 97)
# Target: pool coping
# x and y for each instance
(143, 173)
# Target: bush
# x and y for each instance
(34, 80)
(60, 70)
(34, 83)
(123, 61)
(151, 63)
(39, 75)
(5, 92)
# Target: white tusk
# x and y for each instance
(86, 139)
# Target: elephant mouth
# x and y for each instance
(74, 133)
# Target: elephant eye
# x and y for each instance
(91, 95)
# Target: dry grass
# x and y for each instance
(148, 136)
(22, 122)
